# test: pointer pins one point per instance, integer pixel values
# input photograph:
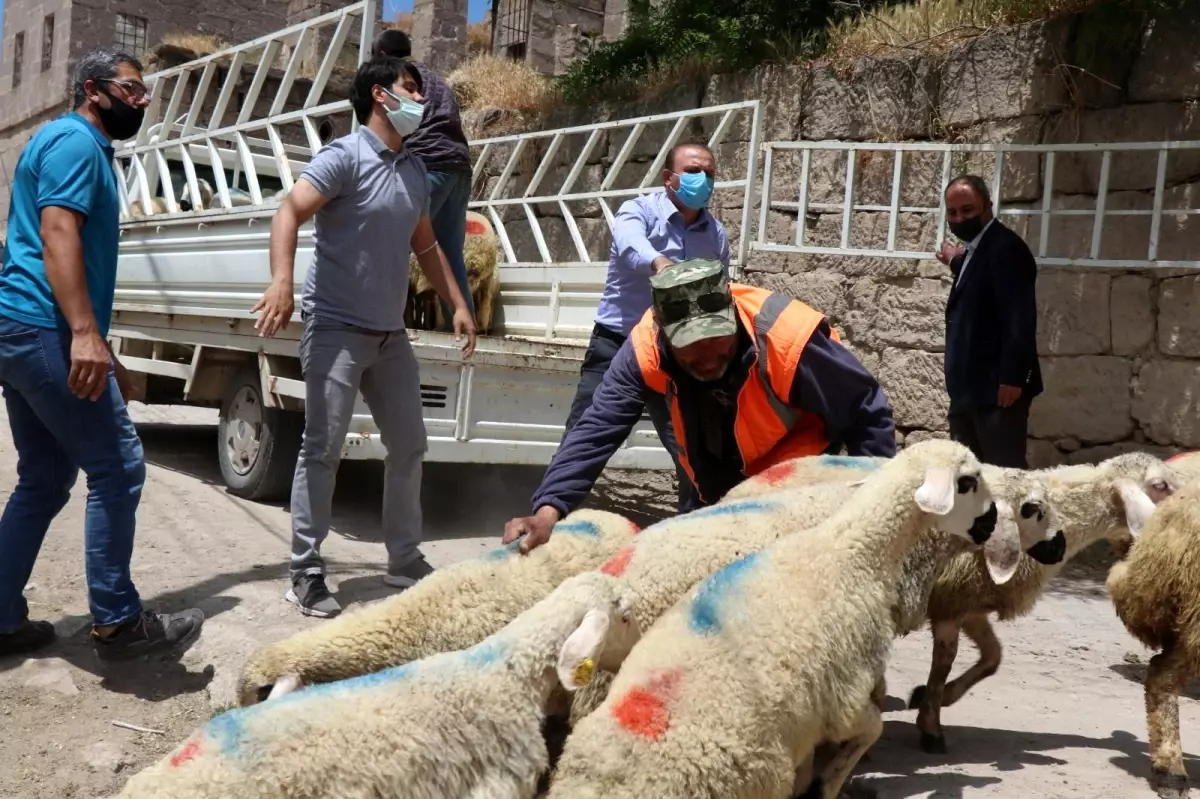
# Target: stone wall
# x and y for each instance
(1120, 349)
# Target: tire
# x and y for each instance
(257, 446)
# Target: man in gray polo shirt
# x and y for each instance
(370, 198)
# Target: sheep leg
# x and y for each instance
(804, 776)
(980, 631)
(849, 752)
(929, 722)
(1165, 678)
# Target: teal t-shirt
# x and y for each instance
(68, 163)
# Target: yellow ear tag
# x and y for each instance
(583, 672)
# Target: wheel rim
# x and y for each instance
(243, 431)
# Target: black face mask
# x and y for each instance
(967, 229)
(120, 119)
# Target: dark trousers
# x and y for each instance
(602, 348)
(995, 435)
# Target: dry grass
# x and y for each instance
(935, 25)
(199, 43)
(487, 81)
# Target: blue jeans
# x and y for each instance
(56, 434)
(449, 193)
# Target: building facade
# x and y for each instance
(43, 40)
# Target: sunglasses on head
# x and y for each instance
(672, 311)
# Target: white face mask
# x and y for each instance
(407, 117)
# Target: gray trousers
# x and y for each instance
(338, 361)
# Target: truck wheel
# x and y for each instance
(257, 446)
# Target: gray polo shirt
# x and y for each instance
(359, 270)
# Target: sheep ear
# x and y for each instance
(577, 657)
(936, 494)
(1002, 552)
(1138, 505)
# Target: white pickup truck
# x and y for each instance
(202, 178)
(194, 259)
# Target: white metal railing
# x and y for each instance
(511, 189)
(843, 239)
(176, 130)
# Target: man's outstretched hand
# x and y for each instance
(535, 528)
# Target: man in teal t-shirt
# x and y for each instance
(64, 391)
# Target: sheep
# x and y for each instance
(1109, 500)
(458, 724)
(1187, 463)
(810, 470)
(481, 255)
(1155, 591)
(453, 608)
(731, 691)
(674, 555)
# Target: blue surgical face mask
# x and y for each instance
(695, 189)
(407, 117)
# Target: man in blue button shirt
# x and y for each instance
(64, 391)
(650, 233)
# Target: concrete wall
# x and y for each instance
(1120, 348)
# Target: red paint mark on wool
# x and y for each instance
(475, 228)
(186, 754)
(778, 473)
(619, 562)
(633, 526)
(643, 711)
(1180, 455)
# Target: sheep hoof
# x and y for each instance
(1168, 785)
(933, 744)
(916, 698)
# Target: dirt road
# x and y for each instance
(1063, 718)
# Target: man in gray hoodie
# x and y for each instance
(441, 145)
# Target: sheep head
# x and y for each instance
(1041, 531)
(961, 504)
(603, 638)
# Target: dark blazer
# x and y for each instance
(991, 323)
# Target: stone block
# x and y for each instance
(1179, 316)
(910, 314)
(1042, 454)
(1021, 174)
(916, 387)
(590, 178)
(1179, 234)
(824, 291)
(781, 87)
(559, 243)
(917, 436)
(869, 359)
(1079, 173)
(1159, 73)
(1166, 402)
(1070, 236)
(1073, 316)
(1086, 398)
(1011, 72)
(879, 98)
(682, 97)
(1107, 40)
(1133, 322)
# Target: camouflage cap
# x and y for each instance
(692, 302)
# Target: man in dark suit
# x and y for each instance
(992, 372)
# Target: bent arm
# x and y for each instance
(832, 384)
(616, 407)
(1016, 306)
(630, 241)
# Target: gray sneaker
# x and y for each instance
(409, 574)
(310, 594)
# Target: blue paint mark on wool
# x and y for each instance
(704, 618)
(500, 553)
(849, 462)
(731, 509)
(578, 527)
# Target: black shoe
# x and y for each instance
(150, 634)
(312, 596)
(29, 637)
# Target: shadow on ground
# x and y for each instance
(896, 766)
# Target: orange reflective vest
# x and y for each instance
(766, 428)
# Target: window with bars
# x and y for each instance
(47, 42)
(18, 58)
(512, 34)
(131, 34)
